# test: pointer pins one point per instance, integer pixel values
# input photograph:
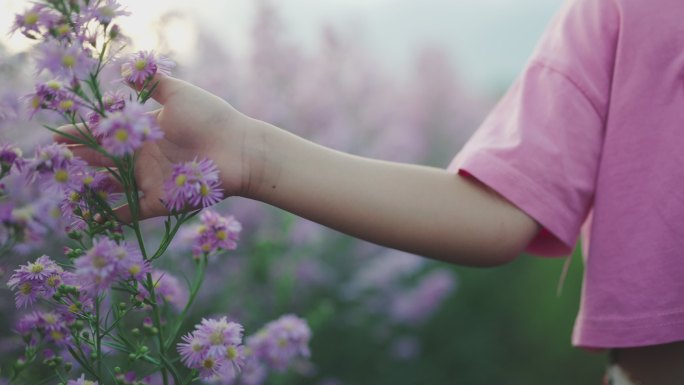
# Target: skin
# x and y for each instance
(422, 210)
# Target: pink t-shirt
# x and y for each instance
(591, 137)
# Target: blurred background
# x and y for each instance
(402, 80)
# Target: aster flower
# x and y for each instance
(39, 279)
(81, 381)
(215, 233)
(64, 61)
(143, 65)
(106, 11)
(10, 158)
(107, 262)
(35, 21)
(192, 349)
(126, 130)
(282, 341)
(194, 183)
(213, 344)
(169, 288)
(51, 159)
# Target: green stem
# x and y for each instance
(196, 284)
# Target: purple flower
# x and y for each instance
(81, 381)
(215, 233)
(213, 344)
(53, 159)
(192, 350)
(105, 11)
(64, 61)
(168, 288)
(39, 279)
(143, 65)
(107, 262)
(282, 341)
(54, 327)
(35, 21)
(125, 131)
(194, 183)
(10, 157)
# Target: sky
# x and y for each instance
(489, 40)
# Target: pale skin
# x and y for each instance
(423, 210)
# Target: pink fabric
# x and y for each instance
(591, 134)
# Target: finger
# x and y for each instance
(148, 209)
(91, 156)
(72, 134)
(162, 87)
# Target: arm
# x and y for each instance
(423, 210)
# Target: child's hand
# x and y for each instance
(195, 124)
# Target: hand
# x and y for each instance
(196, 123)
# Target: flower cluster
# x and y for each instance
(124, 131)
(192, 184)
(56, 327)
(280, 342)
(54, 95)
(107, 262)
(215, 233)
(38, 279)
(213, 345)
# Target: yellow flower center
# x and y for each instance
(31, 18)
(25, 288)
(99, 261)
(107, 12)
(216, 338)
(181, 179)
(50, 318)
(204, 190)
(140, 64)
(54, 85)
(221, 235)
(62, 29)
(66, 104)
(61, 176)
(208, 363)
(74, 197)
(53, 281)
(135, 269)
(69, 61)
(35, 103)
(88, 180)
(196, 346)
(121, 135)
(231, 353)
(73, 308)
(57, 336)
(37, 268)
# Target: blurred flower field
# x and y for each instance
(376, 316)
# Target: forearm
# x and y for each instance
(423, 210)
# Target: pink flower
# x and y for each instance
(194, 183)
(143, 65)
(64, 61)
(125, 131)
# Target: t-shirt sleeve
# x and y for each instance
(540, 146)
